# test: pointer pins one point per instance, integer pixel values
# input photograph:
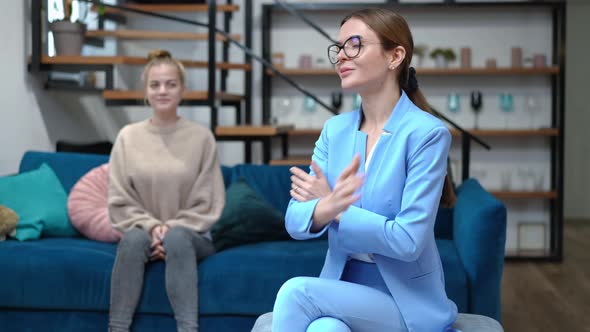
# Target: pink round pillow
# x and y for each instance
(88, 206)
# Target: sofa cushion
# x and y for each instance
(88, 206)
(39, 200)
(76, 275)
(245, 280)
(270, 182)
(69, 167)
(247, 218)
(242, 280)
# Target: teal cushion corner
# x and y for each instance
(247, 218)
(40, 200)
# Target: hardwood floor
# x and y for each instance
(550, 296)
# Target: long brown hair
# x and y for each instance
(393, 31)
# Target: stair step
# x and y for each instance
(128, 60)
(292, 160)
(181, 8)
(135, 95)
(237, 131)
(154, 35)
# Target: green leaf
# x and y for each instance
(101, 10)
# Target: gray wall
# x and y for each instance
(577, 115)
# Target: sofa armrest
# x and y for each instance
(479, 233)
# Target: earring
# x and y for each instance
(392, 68)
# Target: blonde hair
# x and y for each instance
(393, 30)
(159, 57)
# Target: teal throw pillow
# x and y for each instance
(40, 200)
(247, 218)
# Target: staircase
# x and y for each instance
(216, 94)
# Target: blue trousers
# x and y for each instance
(359, 302)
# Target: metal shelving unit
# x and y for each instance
(555, 72)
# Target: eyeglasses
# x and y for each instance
(351, 47)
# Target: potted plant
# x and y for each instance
(419, 52)
(69, 32)
(442, 57)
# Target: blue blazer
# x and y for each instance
(394, 218)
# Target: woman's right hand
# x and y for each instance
(305, 187)
(341, 198)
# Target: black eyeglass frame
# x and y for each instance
(341, 47)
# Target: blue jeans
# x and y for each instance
(359, 302)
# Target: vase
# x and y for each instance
(68, 37)
(440, 61)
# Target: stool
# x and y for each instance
(464, 323)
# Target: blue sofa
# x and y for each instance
(62, 284)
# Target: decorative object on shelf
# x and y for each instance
(491, 63)
(336, 99)
(310, 107)
(278, 59)
(453, 102)
(476, 105)
(531, 236)
(282, 107)
(465, 57)
(356, 102)
(531, 106)
(419, 53)
(506, 179)
(539, 61)
(532, 179)
(479, 172)
(507, 106)
(68, 32)
(516, 57)
(320, 62)
(442, 57)
(538, 177)
(305, 61)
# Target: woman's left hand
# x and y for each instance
(305, 187)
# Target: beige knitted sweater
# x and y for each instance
(165, 174)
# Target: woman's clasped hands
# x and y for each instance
(157, 245)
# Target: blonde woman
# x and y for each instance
(165, 192)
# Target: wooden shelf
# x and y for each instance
(174, 8)
(510, 132)
(488, 71)
(304, 72)
(305, 132)
(244, 131)
(120, 95)
(477, 132)
(154, 35)
(292, 160)
(524, 194)
(433, 71)
(128, 60)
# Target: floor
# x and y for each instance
(550, 296)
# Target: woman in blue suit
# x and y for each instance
(375, 185)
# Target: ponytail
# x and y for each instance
(409, 83)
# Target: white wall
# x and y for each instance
(33, 118)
